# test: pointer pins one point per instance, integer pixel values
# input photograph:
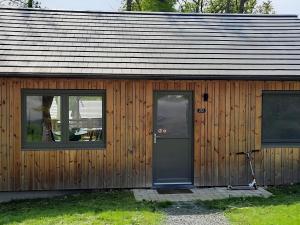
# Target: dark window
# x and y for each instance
(63, 119)
(281, 118)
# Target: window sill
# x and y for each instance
(63, 148)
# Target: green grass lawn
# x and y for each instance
(89, 208)
(119, 207)
(282, 208)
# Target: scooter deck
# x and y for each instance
(241, 188)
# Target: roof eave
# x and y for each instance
(151, 77)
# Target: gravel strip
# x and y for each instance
(188, 213)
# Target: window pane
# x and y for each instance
(281, 117)
(43, 119)
(172, 116)
(85, 118)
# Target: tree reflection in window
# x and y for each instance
(43, 119)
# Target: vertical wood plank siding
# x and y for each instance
(232, 123)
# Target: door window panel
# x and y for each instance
(172, 116)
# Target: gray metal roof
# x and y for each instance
(148, 45)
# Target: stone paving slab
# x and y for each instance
(203, 194)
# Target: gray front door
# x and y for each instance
(173, 136)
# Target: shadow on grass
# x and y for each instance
(282, 195)
(92, 208)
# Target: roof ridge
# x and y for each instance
(149, 13)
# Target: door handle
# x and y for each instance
(154, 138)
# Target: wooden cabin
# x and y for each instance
(92, 100)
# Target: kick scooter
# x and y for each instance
(252, 185)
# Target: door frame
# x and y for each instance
(192, 108)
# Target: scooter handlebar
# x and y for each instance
(243, 153)
(255, 150)
(240, 153)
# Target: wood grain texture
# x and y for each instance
(232, 123)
